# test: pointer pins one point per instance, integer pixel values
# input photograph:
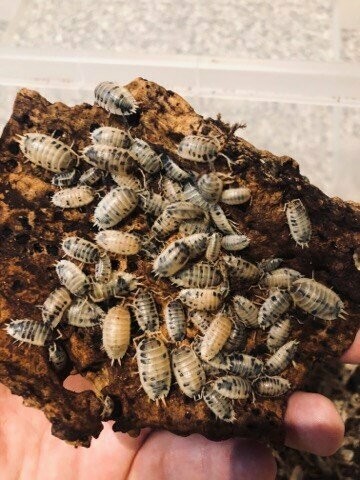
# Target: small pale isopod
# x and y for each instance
(103, 269)
(114, 207)
(209, 299)
(278, 334)
(116, 332)
(171, 259)
(281, 358)
(173, 171)
(299, 222)
(235, 196)
(221, 222)
(120, 285)
(192, 194)
(215, 336)
(270, 264)
(220, 406)
(236, 388)
(213, 247)
(200, 319)
(241, 269)
(190, 227)
(175, 320)
(47, 152)
(199, 275)
(73, 197)
(171, 190)
(272, 386)
(84, 314)
(246, 311)
(199, 148)
(145, 156)
(280, 278)
(65, 179)
(111, 136)
(115, 98)
(91, 176)
(72, 277)
(81, 249)
(154, 368)
(110, 159)
(54, 306)
(165, 224)
(237, 338)
(244, 365)
(115, 241)
(28, 331)
(210, 186)
(234, 243)
(184, 211)
(145, 311)
(188, 371)
(317, 299)
(152, 203)
(58, 356)
(124, 180)
(277, 303)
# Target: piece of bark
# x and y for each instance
(31, 229)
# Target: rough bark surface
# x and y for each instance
(31, 230)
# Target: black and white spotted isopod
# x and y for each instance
(115, 98)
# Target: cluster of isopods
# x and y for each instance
(201, 259)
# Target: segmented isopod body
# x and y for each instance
(281, 278)
(236, 388)
(152, 203)
(278, 334)
(246, 311)
(145, 156)
(200, 319)
(115, 98)
(175, 320)
(196, 244)
(220, 406)
(58, 356)
(244, 365)
(84, 314)
(216, 336)
(54, 307)
(154, 368)
(174, 171)
(213, 248)
(28, 331)
(121, 243)
(199, 275)
(274, 306)
(237, 339)
(299, 222)
(81, 249)
(164, 225)
(103, 269)
(114, 207)
(91, 176)
(73, 197)
(145, 311)
(209, 299)
(281, 358)
(199, 148)
(171, 190)
(235, 196)
(72, 277)
(317, 299)
(111, 136)
(111, 159)
(120, 285)
(270, 264)
(221, 222)
(210, 186)
(124, 180)
(171, 259)
(47, 152)
(184, 211)
(65, 179)
(242, 269)
(234, 243)
(190, 227)
(188, 371)
(192, 194)
(116, 332)
(272, 386)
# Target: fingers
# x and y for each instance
(313, 424)
(165, 456)
(353, 354)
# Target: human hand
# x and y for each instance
(28, 451)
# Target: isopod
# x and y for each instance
(184, 211)
(103, 269)
(221, 222)
(91, 176)
(278, 334)
(188, 371)
(244, 365)
(116, 332)
(175, 320)
(192, 194)
(199, 148)
(210, 186)
(246, 311)
(237, 338)
(152, 203)
(81, 249)
(145, 156)
(299, 222)
(209, 299)
(29, 331)
(73, 197)
(174, 171)
(121, 243)
(236, 388)
(220, 406)
(317, 299)
(275, 305)
(171, 190)
(110, 159)
(272, 386)
(65, 179)
(190, 227)
(281, 358)
(234, 243)
(54, 307)
(235, 196)
(171, 259)
(154, 368)
(124, 180)
(280, 278)
(84, 314)
(115, 98)
(196, 244)
(72, 277)
(270, 264)
(111, 136)
(58, 356)
(241, 269)
(145, 311)
(213, 247)
(47, 152)
(199, 275)
(119, 285)
(215, 336)
(200, 319)
(114, 207)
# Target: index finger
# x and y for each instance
(353, 354)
